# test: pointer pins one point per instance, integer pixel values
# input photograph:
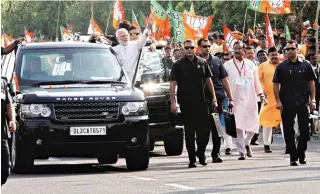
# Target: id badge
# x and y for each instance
(244, 82)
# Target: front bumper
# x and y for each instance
(57, 141)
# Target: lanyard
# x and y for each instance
(242, 67)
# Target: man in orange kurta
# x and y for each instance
(269, 116)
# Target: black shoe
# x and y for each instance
(192, 165)
(303, 161)
(217, 160)
(249, 152)
(267, 149)
(293, 163)
(242, 156)
(228, 151)
(203, 161)
(254, 143)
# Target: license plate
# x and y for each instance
(96, 130)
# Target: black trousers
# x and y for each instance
(5, 161)
(256, 135)
(197, 129)
(288, 114)
(216, 140)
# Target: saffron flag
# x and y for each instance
(118, 13)
(269, 33)
(93, 27)
(6, 40)
(270, 6)
(161, 26)
(28, 35)
(196, 27)
(229, 39)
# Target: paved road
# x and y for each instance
(264, 173)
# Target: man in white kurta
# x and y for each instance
(245, 86)
(128, 51)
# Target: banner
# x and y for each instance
(270, 6)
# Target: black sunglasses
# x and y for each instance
(290, 49)
(136, 34)
(189, 47)
(206, 46)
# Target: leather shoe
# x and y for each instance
(293, 163)
(267, 149)
(228, 151)
(249, 152)
(192, 165)
(242, 156)
(203, 161)
(217, 160)
(303, 161)
(254, 143)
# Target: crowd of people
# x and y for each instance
(264, 87)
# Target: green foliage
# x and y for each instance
(42, 15)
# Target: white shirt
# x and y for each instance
(129, 54)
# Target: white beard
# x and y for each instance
(123, 43)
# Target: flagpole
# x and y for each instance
(317, 31)
(244, 23)
(255, 18)
(92, 9)
(108, 23)
(57, 29)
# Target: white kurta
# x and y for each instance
(128, 55)
(245, 98)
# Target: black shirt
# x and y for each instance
(5, 100)
(218, 74)
(294, 81)
(191, 80)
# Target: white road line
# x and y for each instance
(181, 186)
(141, 178)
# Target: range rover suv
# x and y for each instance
(74, 100)
(164, 125)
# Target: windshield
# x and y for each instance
(151, 62)
(55, 65)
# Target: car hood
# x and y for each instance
(86, 93)
(155, 89)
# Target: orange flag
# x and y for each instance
(269, 32)
(118, 13)
(196, 27)
(229, 39)
(93, 27)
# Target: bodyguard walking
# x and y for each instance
(192, 74)
(297, 91)
(221, 86)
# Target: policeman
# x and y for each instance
(297, 81)
(192, 75)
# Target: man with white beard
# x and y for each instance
(128, 51)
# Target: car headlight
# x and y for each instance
(35, 110)
(134, 108)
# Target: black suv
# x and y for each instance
(164, 126)
(74, 100)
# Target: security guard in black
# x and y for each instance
(191, 78)
(296, 79)
(5, 157)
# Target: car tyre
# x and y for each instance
(173, 143)
(138, 158)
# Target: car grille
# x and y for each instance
(86, 110)
(159, 111)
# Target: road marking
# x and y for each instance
(142, 178)
(181, 186)
(212, 193)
